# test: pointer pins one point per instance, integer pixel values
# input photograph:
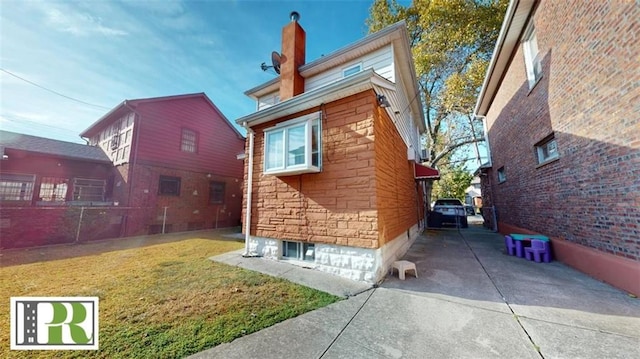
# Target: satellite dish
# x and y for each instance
(275, 63)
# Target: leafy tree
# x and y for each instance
(452, 42)
(452, 183)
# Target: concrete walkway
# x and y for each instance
(470, 301)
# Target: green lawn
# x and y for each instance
(159, 297)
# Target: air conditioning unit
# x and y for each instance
(114, 142)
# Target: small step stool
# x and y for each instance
(402, 267)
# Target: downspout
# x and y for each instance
(247, 220)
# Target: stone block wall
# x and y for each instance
(335, 206)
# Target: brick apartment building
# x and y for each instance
(331, 157)
(561, 104)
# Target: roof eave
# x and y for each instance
(337, 90)
(516, 19)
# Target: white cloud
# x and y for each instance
(79, 24)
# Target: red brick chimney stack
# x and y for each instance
(292, 57)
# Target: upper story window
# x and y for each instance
(294, 147)
(85, 189)
(547, 150)
(532, 56)
(502, 176)
(16, 187)
(189, 141)
(351, 70)
(169, 186)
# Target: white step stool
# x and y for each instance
(402, 267)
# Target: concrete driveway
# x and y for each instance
(470, 301)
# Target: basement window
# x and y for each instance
(294, 147)
(300, 251)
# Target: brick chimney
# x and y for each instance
(292, 57)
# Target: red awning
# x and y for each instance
(426, 172)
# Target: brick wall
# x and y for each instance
(38, 226)
(589, 98)
(188, 211)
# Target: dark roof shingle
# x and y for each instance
(18, 141)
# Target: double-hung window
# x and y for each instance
(294, 147)
(532, 56)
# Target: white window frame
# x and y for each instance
(305, 251)
(532, 56)
(309, 121)
(547, 150)
(351, 70)
(502, 176)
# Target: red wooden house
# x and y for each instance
(175, 159)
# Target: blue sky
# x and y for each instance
(103, 52)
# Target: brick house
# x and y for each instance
(176, 158)
(331, 177)
(40, 179)
(561, 105)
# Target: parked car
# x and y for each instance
(452, 211)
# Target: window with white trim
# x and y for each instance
(299, 251)
(53, 189)
(532, 56)
(502, 176)
(352, 70)
(189, 140)
(294, 147)
(91, 190)
(16, 187)
(547, 150)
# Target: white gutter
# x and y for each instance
(247, 220)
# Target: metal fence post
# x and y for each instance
(164, 218)
(79, 224)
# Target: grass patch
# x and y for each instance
(164, 300)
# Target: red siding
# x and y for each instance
(160, 126)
